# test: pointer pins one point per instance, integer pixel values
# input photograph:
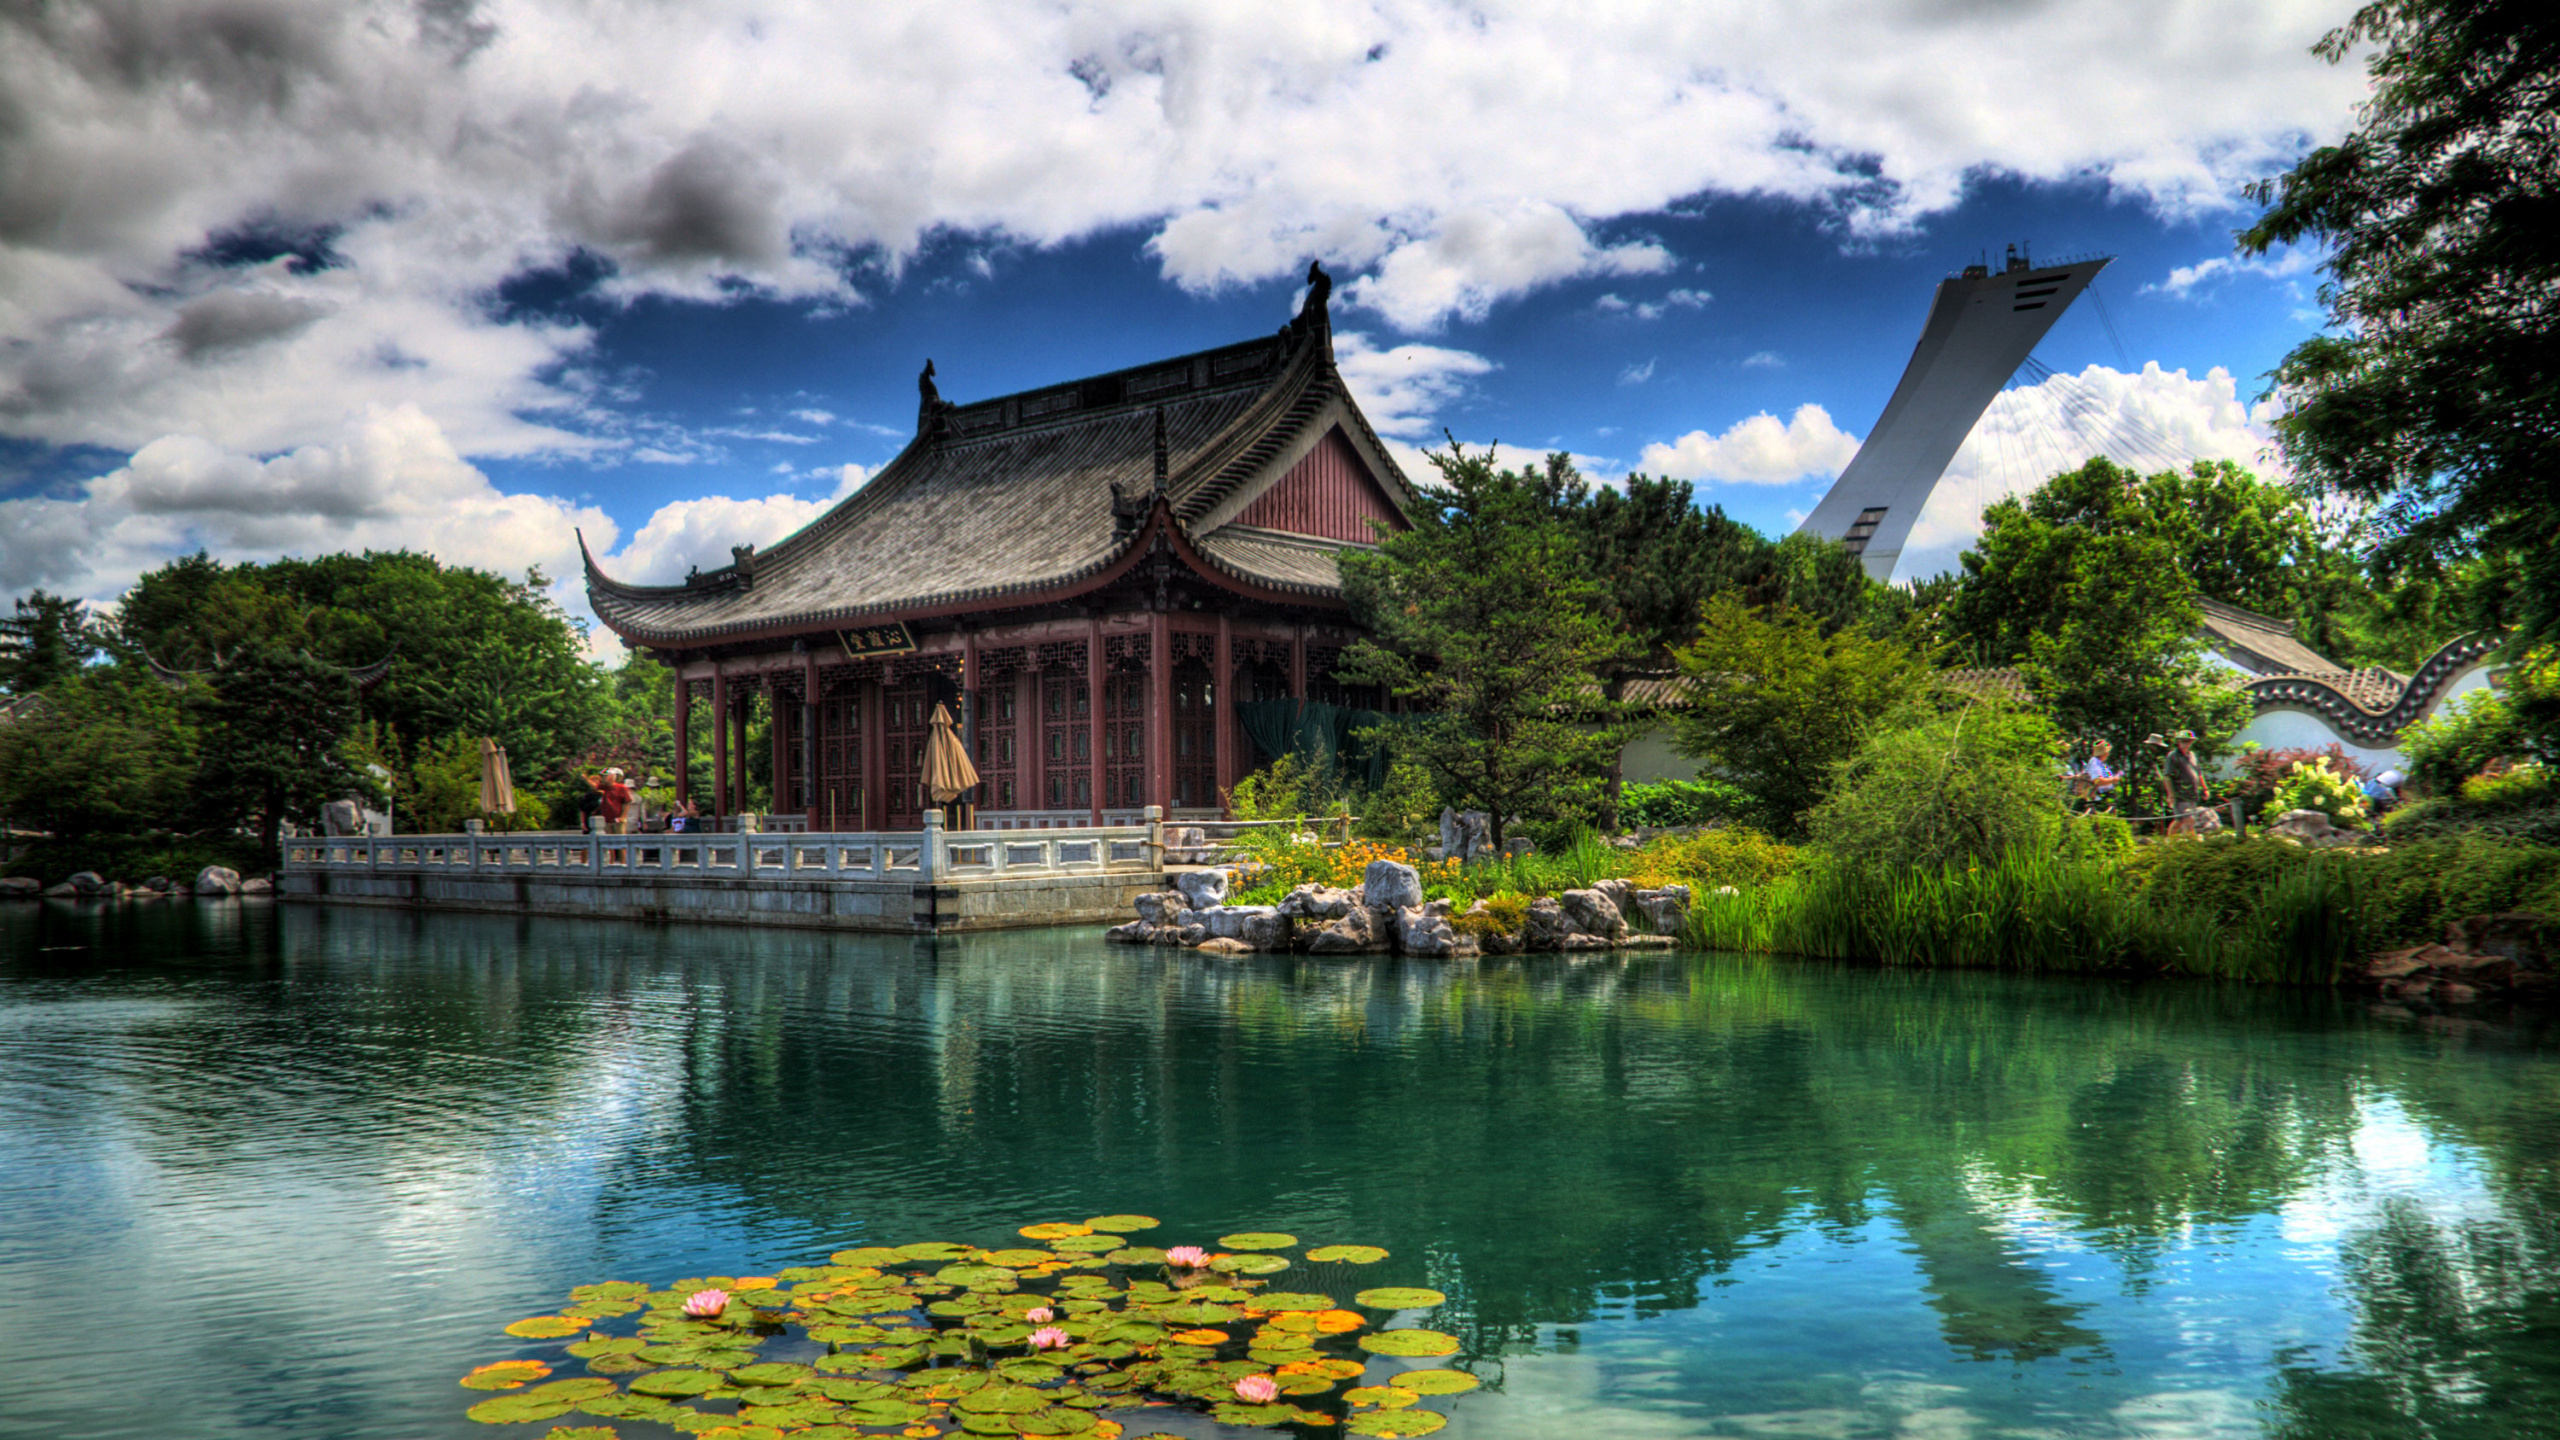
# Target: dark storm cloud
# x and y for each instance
(710, 201)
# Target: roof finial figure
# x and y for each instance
(1319, 290)
(930, 406)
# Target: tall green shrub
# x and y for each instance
(1963, 787)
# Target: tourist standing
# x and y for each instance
(613, 799)
(2186, 781)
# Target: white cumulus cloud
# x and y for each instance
(1762, 450)
(2152, 420)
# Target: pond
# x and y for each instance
(287, 1172)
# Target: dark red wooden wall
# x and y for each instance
(1329, 493)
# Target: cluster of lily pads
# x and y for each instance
(1077, 1334)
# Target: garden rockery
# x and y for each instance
(1388, 914)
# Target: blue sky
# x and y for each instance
(468, 275)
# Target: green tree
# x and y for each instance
(274, 737)
(2089, 587)
(2431, 397)
(1930, 790)
(1657, 557)
(1776, 704)
(43, 643)
(1487, 618)
(116, 755)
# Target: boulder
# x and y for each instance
(1191, 932)
(217, 880)
(1580, 941)
(258, 885)
(2304, 825)
(1390, 885)
(87, 882)
(2531, 941)
(1621, 893)
(1465, 834)
(1546, 928)
(1591, 914)
(1358, 931)
(342, 817)
(1264, 929)
(64, 891)
(1239, 922)
(1223, 945)
(1202, 889)
(1664, 911)
(1424, 931)
(1626, 842)
(1136, 932)
(1519, 845)
(20, 887)
(1162, 907)
(1319, 902)
(1187, 844)
(156, 882)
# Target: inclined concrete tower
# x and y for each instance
(1981, 327)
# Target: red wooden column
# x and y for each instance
(875, 760)
(1222, 706)
(778, 736)
(1160, 711)
(1031, 736)
(968, 716)
(719, 742)
(1297, 662)
(1093, 679)
(684, 745)
(809, 733)
(743, 701)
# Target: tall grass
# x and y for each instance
(2039, 912)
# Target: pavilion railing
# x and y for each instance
(909, 855)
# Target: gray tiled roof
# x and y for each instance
(1017, 496)
(2258, 643)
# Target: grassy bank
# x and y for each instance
(2244, 909)
(138, 857)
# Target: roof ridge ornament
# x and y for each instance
(932, 411)
(1314, 313)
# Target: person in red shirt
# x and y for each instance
(616, 798)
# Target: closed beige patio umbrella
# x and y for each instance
(497, 787)
(947, 772)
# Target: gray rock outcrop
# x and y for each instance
(1202, 888)
(217, 880)
(257, 885)
(87, 882)
(1424, 932)
(1592, 914)
(342, 817)
(20, 887)
(1390, 885)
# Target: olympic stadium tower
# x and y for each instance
(1982, 325)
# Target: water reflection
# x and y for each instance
(1702, 1195)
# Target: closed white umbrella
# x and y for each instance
(497, 787)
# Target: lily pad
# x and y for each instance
(518, 1409)
(547, 1327)
(1257, 1240)
(770, 1372)
(1054, 1230)
(1438, 1382)
(1384, 1397)
(1293, 1300)
(582, 1432)
(1396, 1423)
(505, 1375)
(1400, 1297)
(1137, 1255)
(677, 1382)
(1329, 1367)
(928, 1250)
(1016, 1259)
(848, 1390)
(1347, 1254)
(573, 1390)
(1250, 1264)
(1088, 1244)
(868, 1255)
(1409, 1343)
(1122, 1223)
(1057, 1420)
(1001, 1399)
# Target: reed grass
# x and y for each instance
(2033, 912)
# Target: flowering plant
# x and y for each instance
(2314, 785)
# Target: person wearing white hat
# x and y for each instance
(615, 798)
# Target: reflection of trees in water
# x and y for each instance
(1551, 1142)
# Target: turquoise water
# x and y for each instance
(286, 1173)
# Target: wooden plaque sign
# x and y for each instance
(889, 639)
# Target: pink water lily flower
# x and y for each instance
(1257, 1389)
(1049, 1337)
(1188, 1257)
(1039, 1314)
(706, 1304)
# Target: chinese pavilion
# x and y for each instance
(1097, 572)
